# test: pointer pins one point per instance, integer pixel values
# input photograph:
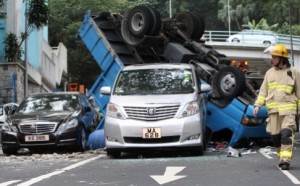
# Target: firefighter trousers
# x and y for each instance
(282, 128)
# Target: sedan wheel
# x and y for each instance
(9, 151)
(82, 140)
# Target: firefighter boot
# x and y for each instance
(284, 165)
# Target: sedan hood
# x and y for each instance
(153, 100)
(41, 116)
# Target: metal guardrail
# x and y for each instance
(221, 36)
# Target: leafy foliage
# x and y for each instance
(11, 46)
(261, 25)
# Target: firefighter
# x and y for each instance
(234, 63)
(280, 92)
(244, 66)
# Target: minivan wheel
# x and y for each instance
(9, 151)
(235, 40)
(197, 151)
(113, 153)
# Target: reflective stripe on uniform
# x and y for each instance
(261, 100)
(287, 88)
(290, 106)
(281, 107)
(286, 154)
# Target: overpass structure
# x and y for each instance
(253, 53)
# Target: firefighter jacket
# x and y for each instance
(280, 91)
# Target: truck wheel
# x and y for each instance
(191, 24)
(143, 20)
(229, 82)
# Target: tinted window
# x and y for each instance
(50, 103)
(155, 81)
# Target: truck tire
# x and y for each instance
(191, 24)
(143, 20)
(229, 82)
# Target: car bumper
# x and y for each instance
(127, 134)
(56, 139)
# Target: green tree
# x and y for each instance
(65, 19)
(11, 46)
(37, 14)
(261, 25)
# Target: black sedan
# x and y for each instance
(49, 119)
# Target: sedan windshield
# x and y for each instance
(155, 81)
(50, 103)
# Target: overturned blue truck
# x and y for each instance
(140, 35)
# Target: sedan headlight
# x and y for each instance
(9, 127)
(189, 109)
(70, 124)
(114, 111)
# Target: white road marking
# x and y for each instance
(9, 182)
(42, 177)
(265, 154)
(169, 175)
(290, 176)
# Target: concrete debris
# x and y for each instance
(268, 151)
(233, 153)
(25, 155)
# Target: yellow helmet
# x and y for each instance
(280, 50)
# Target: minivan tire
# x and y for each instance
(113, 153)
(197, 151)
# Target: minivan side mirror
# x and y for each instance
(105, 90)
(205, 88)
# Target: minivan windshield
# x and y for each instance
(155, 81)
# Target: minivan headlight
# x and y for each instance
(114, 111)
(189, 109)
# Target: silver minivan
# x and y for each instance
(154, 106)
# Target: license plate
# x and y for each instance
(150, 133)
(37, 138)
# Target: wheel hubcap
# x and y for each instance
(228, 83)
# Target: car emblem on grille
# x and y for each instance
(151, 111)
(37, 117)
(32, 126)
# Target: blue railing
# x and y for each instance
(221, 36)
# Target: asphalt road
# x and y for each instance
(214, 168)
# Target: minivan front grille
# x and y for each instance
(38, 127)
(152, 113)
